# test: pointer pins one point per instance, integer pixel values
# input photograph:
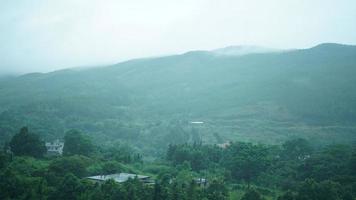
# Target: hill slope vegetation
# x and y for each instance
(149, 103)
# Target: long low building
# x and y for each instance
(121, 177)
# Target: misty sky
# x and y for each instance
(46, 35)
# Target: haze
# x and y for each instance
(42, 36)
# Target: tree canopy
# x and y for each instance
(76, 143)
(25, 143)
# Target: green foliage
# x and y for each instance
(296, 149)
(111, 167)
(28, 166)
(11, 185)
(160, 192)
(327, 190)
(111, 190)
(217, 190)
(69, 188)
(27, 144)
(157, 168)
(120, 153)
(75, 143)
(323, 174)
(287, 196)
(199, 156)
(246, 161)
(73, 164)
(16, 186)
(333, 161)
(4, 159)
(252, 194)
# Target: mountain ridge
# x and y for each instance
(206, 52)
(264, 97)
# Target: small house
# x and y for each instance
(54, 148)
(224, 145)
(202, 182)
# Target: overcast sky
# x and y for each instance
(42, 36)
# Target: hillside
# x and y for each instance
(258, 97)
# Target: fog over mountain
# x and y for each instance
(244, 50)
(43, 36)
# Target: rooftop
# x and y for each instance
(120, 178)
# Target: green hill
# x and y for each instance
(148, 103)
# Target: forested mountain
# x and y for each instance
(149, 103)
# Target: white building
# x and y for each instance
(54, 148)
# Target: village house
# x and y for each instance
(54, 148)
(202, 182)
(224, 145)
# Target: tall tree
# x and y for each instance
(246, 161)
(70, 164)
(76, 143)
(27, 144)
(69, 188)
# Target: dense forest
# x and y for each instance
(294, 170)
